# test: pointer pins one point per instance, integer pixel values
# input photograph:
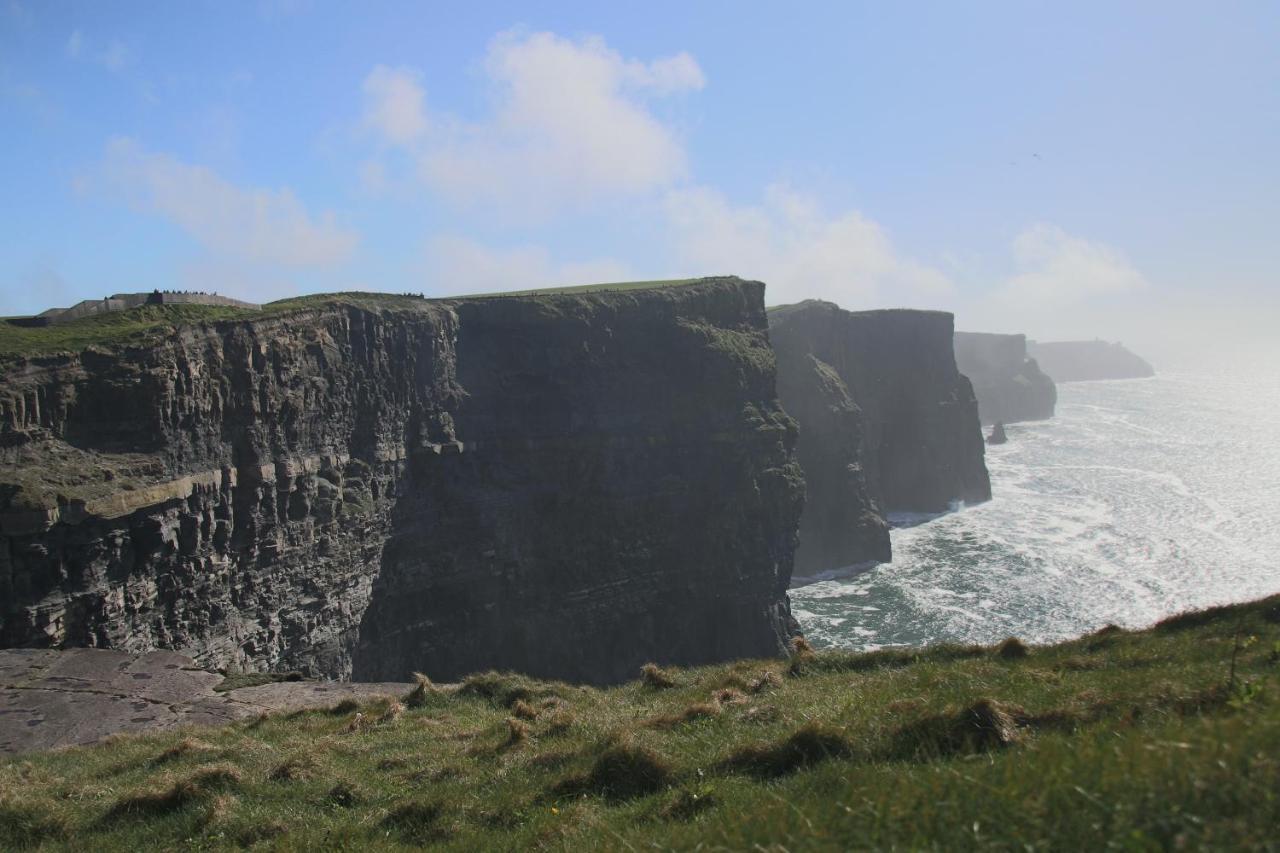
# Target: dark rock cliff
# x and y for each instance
(887, 424)
(1010, 386)
(1077, 361)
(567, 484)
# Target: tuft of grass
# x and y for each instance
(343, 795)
(26, 825)
(983, 726)
(517, 733)
(523, 710)
(159, 802)
(694, 712)
(652, 675)
(623, 770)
(346, 706)
(296, 769)
(811, 743)
(1012, 649)
(416, 822)
(898, 749)
(423, 692)
(182, 749)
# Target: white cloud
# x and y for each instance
(456, 265)
(570, 124)
(115, 57)
(261, 225)
(394, 104)
(1057, 269)
(797, 249)
(74, 44)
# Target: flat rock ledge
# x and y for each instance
(51, 699)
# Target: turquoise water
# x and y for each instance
(1141, 498)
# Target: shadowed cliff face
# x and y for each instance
(1009, 385)
(569, 485)
(887, 424)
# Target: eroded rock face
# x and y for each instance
(1009, 385)
(887, 424)
(522, 482)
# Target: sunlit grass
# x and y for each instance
(1135, 740)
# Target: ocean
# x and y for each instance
(1140, 499)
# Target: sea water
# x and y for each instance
(1139, 499)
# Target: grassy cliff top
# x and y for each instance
(151, 322)
(1158, 739)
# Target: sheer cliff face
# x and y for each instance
(1078, 361)
(887, 424)
(567, 485)
(1009, 385)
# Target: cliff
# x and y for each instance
(367, 486)
(1077, 361)
(887, 424)
(1010, 386)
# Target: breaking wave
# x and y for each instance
(1141, 498)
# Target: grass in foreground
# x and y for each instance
(1128, 740)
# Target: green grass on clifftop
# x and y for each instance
(152, 322)
(1119, 740)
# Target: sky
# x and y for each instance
(1067, 170)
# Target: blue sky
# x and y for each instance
(1066, 169)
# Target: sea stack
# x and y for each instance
(1009, 385)
(887, 424)
(372, 486)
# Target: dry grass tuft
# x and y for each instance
(622, 771)
(156, 803)
(296, 769)
(524, 710)
(559, 722)
(801, 654)
(1012, 649)
(422, 693)
(767, 680)
(730, 696)
(808, 745)
(185, 747)
(761, 714)
(652, 675)
(517, 732)
(346, 706)
(983, 726)
(696, 711)
(391, 714)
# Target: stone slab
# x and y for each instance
(51, 699)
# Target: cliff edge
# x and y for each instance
(1009, 385)
(367, 486)
(1078, 361)
(887, 424)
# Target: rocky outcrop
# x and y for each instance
(887, 424)
(365, 489)
(1010, 386)
(1077, 361)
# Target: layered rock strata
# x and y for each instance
(887, 424)
(1009, 385)
(564, 484)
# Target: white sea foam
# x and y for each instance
(1141, 499)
